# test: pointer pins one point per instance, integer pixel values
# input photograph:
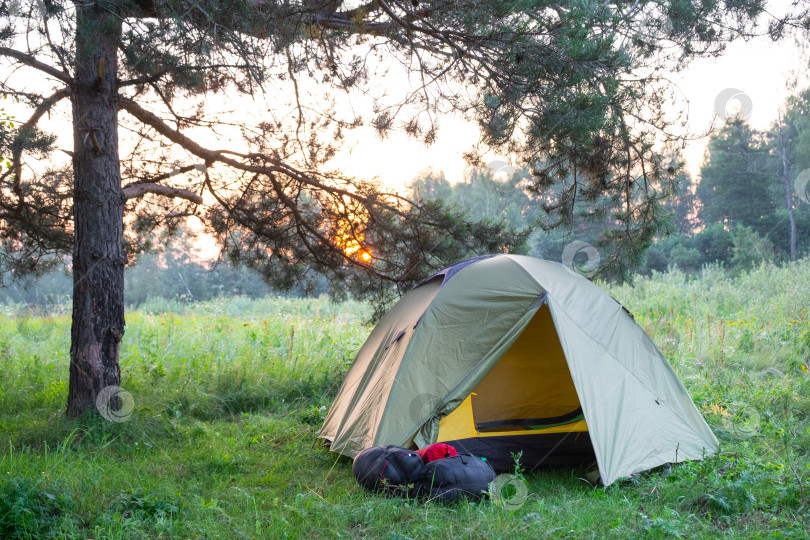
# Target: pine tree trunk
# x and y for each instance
(98, 211)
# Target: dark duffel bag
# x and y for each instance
(459, 477)
(399, 471)
(392, 469)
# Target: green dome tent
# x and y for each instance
(510, 353)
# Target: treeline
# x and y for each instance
(750, 204)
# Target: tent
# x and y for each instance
(507, 353)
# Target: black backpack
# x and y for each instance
(399, 471)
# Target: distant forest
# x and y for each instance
(751, 204)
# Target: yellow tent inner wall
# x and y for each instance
(531, 380)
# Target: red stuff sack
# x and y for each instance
(436, 451)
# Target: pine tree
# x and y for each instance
(736, 178)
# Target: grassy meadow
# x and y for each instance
(229, 395)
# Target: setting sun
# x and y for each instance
(353, 248)
(349, 235)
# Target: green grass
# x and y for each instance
(229, 396)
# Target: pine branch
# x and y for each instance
(39, 112)
(30, 61)
(353, 20)
(134, 191)
(156, 76)
(273, 171)
(274, 166)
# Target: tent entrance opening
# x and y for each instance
(531, 386)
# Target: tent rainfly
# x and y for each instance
(507, 353)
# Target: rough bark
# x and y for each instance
(98, 211)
